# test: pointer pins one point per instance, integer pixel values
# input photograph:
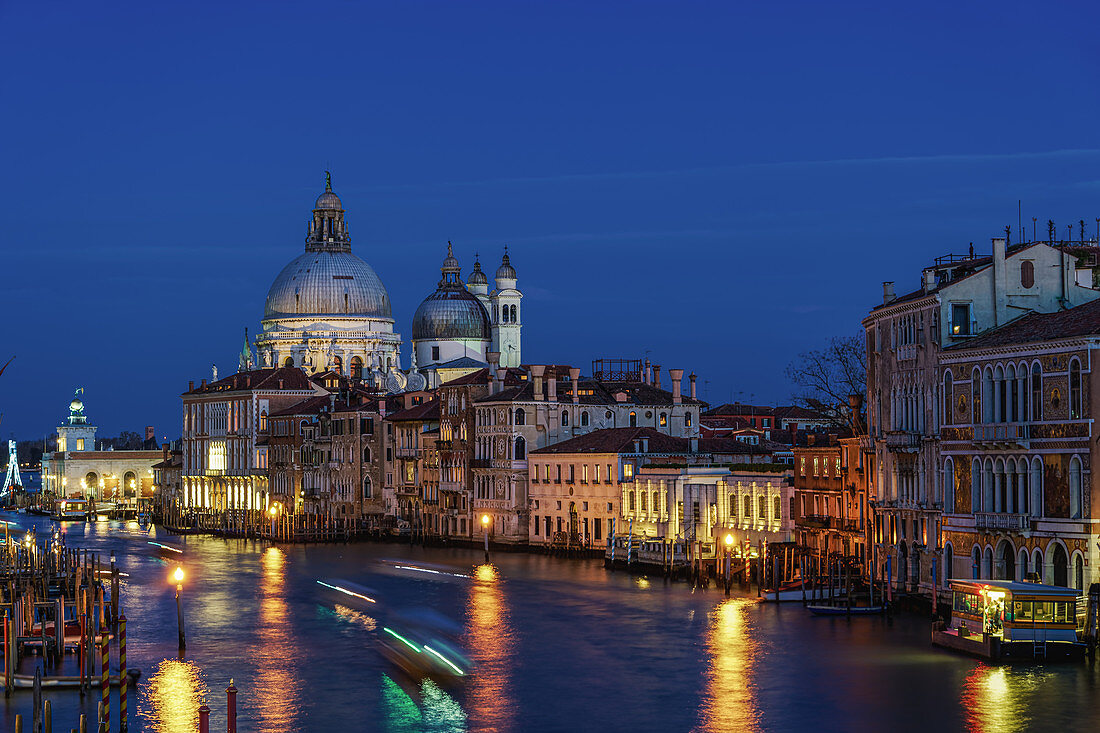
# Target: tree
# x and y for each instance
(826, 377)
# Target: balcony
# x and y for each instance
(819, 521)
(406, 452)
(907, 352)
(903, 441)
(848, 525)
(1003, 435)
(1002, 522)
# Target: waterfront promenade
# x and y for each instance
(553, 641)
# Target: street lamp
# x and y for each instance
(274, 512)
(485, 527)
(729, 552)
(178, 577)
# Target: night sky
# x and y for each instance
(718, 186)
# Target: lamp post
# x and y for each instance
(178, 577)
(485, 528)
(274, 512)
(729, 550)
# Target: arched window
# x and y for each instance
(733, 505)
(1078, 573)
(762, 508)
(1036, 392)
(948, 398)
(1075, 411)
(521, 449)
(1027, 273)
(1060, 561)
(263, 421)
(337, 365)
(987, 564)
(975, 397)
(356, 368)
(949, 485)
(633, 419)
(1075, 488)
(521, 416)
(777, 508)
(289, 361)
(630, 499)
(645, 499)
(1036, 486)
(584, 418)
(514, 318)
(976, 563)
(565, 418)
(976, 486)
(746, 506)
(687, 419)
(663, 420)
(367, 489)
(366, 454)
(1037, 566)
(656, 501)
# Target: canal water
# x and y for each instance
(558, 646)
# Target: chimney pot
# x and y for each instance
(537, 372)
(191, 385)
(574, 382)
(677, 376)
(202, 384)
(552, 385)
(657, 376)
(691, 377)
(888, 292)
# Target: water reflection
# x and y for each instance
(490, 640)
(437, 711)
(997, 698)
(175, 692)
(729, 700)
(276, 691)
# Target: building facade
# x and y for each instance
(1018, 448)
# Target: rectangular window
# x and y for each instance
(572, 473)
(585, 505)
(960, 319)
(584, 474)
(609, 475)
(628, 471)
(596, 479)
(536, 525)
(596, 528)
(79, 444)
(435, 353)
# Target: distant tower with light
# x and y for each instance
(76, 434)
(505, 313)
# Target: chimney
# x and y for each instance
(164, 450)
(552, 386)
(202, 384)
(574, 381)
(381, 408)
(647, 376)
(677, 376)
(929, 282)
(280, 384)
(489, 381)
(191, 386)
(691, 378)
(149, 434)
(1000, 283)
(888, 292)
(645, 445)
(493, 357)
(537, 371)
(656, 376)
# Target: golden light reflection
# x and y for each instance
(993, 699)
(729, 701)
(276, 697)
(490, 639)
(356, 617)
(175, 692)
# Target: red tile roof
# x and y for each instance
(266, 380)
(618, 440)
(424, 411)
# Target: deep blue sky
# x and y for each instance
(721, 184)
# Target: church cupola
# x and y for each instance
(328, 231)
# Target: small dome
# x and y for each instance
(451, 313)
(76, 405)
(477, 277)
(329, 200)
(506, 271)
(450, 262)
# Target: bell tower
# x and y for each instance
(506, 314)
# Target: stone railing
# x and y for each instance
(1000, 521)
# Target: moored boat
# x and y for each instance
(819, 610)
(70, 509)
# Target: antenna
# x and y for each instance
(1020, 219)
(1033, 220)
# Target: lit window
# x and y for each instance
(628, 471)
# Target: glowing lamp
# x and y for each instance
(729, 540)
(178, 575)
(485, 520)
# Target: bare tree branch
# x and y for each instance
(826, 377)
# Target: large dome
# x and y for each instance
(451, 313)
(327, 284)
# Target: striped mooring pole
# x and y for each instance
(105, 680)
(123, 722)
